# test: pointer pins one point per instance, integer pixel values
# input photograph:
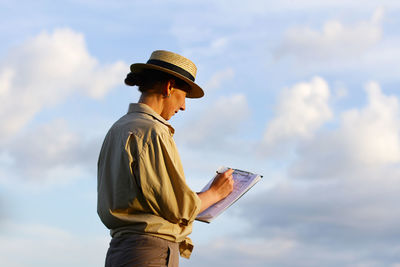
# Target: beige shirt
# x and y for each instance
(141, 184)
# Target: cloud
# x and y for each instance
(49, 153)
(218, 78)
(301, 110)
(348, 220)
(238, 251)
(44, 70)
(373, 133)
(366, 139)
(47, 245)
(334, 41)
(344, 223)
(365, 48)
(217, 123)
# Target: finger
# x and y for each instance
(229, 172)
(228, 178)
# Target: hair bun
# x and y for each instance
(133, 79)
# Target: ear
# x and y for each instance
(169, 86)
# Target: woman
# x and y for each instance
(142, 194)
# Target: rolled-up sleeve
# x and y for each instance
(163, 182)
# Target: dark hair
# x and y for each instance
(148, 78)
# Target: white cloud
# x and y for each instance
(218, 122)
(341, 222)
(255, 7)
(367, 139)
(48, 154)
(381, 61)
(44, 70)
(218, 78)
(351, 218)
(257, 247)
(301, 110)
(334, 40)
(240, 251)
(42, 245)
(365, 48)
(373, 133)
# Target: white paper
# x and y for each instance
(243, 181)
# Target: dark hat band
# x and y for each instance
(171, 67)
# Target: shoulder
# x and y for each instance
(141, 125)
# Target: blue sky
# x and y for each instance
(305, 93)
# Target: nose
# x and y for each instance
(183, 107)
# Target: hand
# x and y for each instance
(220, 188)
(222, 185)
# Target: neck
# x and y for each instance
(153, 100)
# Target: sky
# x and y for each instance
(306, 93)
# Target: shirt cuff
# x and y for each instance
(186, 248)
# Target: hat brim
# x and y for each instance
(195, 90)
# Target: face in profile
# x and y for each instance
(173, 103)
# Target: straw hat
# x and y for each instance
(175, 65)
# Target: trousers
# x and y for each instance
(133, 250)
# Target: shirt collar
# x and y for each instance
(143, 108)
